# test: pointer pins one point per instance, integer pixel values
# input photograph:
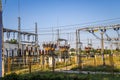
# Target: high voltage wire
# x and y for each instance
(84, 23)
(50, 33)
(19, 8)
(5, 3)
(71, 28)
(56, 33)
(78, 24)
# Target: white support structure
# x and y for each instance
(92, 29)
(100, 27)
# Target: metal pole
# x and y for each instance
(3, 54)
(52, 34)
(19, 29)
(53, 62)
(36, 36)
(77, 44)
(102, 48)
(79, 52)
(1, 43)
(19, 37)
(58, 37)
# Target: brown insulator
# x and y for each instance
(29, 52)
(24, 53)
(43, 45)
(42, 52)
(19, 52)
(52, 45)
(45, 52)
(26, 48)
(31, 49)
(49, 45)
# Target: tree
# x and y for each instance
(12, 41)
(72, 50)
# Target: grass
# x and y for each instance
(99, 68)
(60, 76)
(96, 64)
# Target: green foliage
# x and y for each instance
(12, 76)
(12, 41)
(107, 51)
(61, 76)
(72, 50)
(44, 76)
(72, 54)
(1, 78)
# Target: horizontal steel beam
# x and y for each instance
(100, 27)
(21, 32)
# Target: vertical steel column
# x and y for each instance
(19, 29)
(58, 32)
(36, 36)
(19, 37)
(79, 52)
(1, 43)
(102, 48)
(77, 45)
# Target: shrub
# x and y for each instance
(12, 76)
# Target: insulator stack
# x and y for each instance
(49, 47)
(64, 48)
(19, 52)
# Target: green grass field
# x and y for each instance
(60, 76)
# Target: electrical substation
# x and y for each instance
(82, 48)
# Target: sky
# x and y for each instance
(66, 15)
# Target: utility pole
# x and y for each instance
(58, 34)
(102, 48)
(36, 36)
(77, 45)
(19, 37)
(19, 29)
(78, 51)
(58, 37)
(52, 34)
(1, 43)
(118, 39)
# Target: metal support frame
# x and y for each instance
(78, 42)
(19, 29)
(19, 32)
(36, 36)
(78, 49)
(102, 48)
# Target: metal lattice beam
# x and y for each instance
(100, 27)
(21, 32)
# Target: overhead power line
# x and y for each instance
(19, 8)
(56, 33)
(84, 23)
(68, 27)
(5, 3)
